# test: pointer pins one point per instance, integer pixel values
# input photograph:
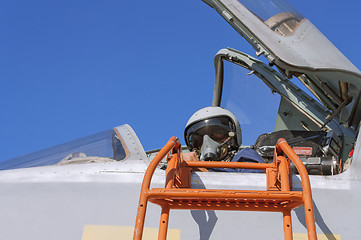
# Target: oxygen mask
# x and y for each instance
(209, 149)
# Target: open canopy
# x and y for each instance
(292, 43)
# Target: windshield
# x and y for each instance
(107, 144)
(278, 15)
(251, 101)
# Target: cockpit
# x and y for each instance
(270, 107)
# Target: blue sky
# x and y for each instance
(69, 69)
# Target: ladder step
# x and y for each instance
(225, 199)
(176, 193)
(276, 206)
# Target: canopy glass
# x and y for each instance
(279, 15)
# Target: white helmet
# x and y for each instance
(214, 131)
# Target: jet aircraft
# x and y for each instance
(89, 188)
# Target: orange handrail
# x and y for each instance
(282, 148)
(143, 200)
(244, 165)
(178, 194)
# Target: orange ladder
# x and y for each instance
(178, 193)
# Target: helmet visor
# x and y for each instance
(217, 128)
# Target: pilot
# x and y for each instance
(214, 134)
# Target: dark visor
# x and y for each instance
(217, 128)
